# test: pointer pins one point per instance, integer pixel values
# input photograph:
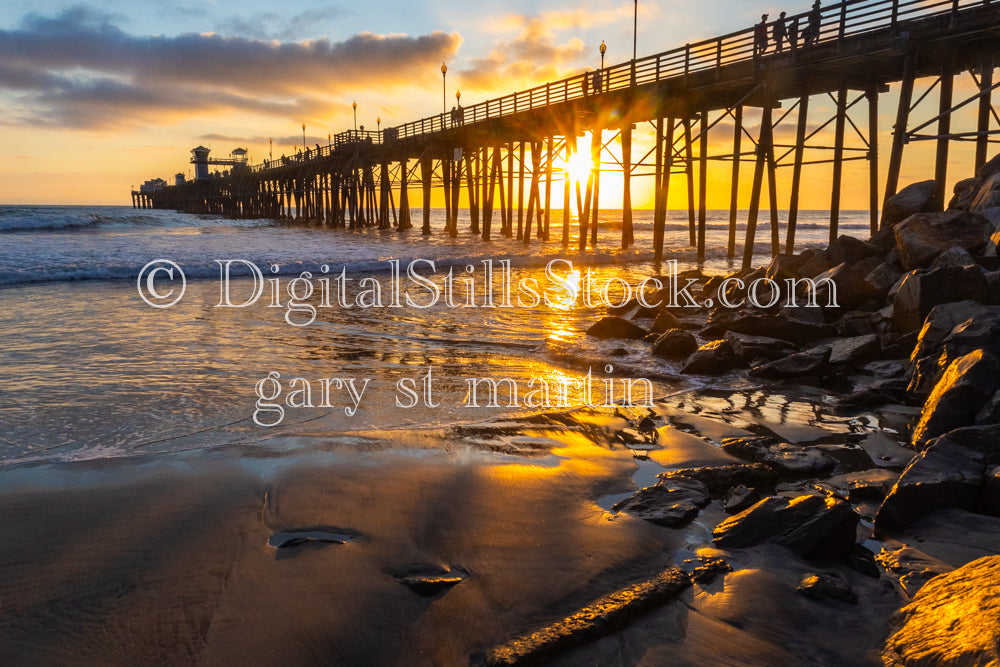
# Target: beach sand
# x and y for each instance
(166, 559)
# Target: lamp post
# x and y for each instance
(444, 88)
(604, 49)
(378, 122)
(329, 138)
(303, 136)
(458, 97)
(355, 105)
(635, 27)
(270, 148)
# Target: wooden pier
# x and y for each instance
(518, 142)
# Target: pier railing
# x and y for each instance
(837, 22)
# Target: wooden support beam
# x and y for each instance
(664, 189)
(658, 205)
(985, 100)
(763, 144)
(899, 129)
(838, 162)
(509, 223)
(596, 149)
(472, 183)
(456, 191)
(793, 201)
(734, 180)
(534, 201)
(702, 184)
(520, 193)
(943, 129)
(689, 175)
(872, 95)
(626, 141)
(426, 173)
(570, 142)
(550, 154)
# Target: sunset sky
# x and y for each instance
(96, 99)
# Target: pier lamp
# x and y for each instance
(378, 122)
(303, 136)
(355, 105)
(444, 88)
(635, 29)
(270, 148)
(604, 49)
(458, 96)
(329, 139)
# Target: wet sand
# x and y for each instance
(167, 559)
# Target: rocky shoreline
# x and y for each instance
(914, 338)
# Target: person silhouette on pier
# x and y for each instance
(585, 83)
(793, 34)
(760, 36)
(779, 32)
(811, 33)
(454, 116)
(597, 80)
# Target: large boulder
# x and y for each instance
(844, 286)
(809, 363)
(615, 327)
(749, 347)
(773, 326)
(979, 330)
(963, 390)
(712, 358)
(963, 193)
(914, 198)
(953, 620)
(787, 460)
(855, 350)
(811, 526)
(941, 320)
(719, 479)
(953, 256)
(665, 321)
(674, 344)
(923, 236)
(920, 291)
(672, 502)
(852, 250)
(987, 195)
(946, 474)
(881, 279)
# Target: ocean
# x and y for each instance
(90, 371)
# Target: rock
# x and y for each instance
(674, 344)
(914, 198)
(963, 390)
(827, 587)
(990, 167)
(946, 474)
(963, 193)
(816, 265)
(771, 326)
(428, 581)
(786, 266)
(880, 392)
(712, 358)
(990, 413)
(881, 279)
(602, 617)
(709, 569)
(718, 322)
(748, 347)
(912, 567)
(739, 498)
(923, 236)
(844, 285)
(852, 250)
(920, 291)
(615, 327)
(788, 461)
(953, 620)
(987, 195)
(991, 492)
(979, 332)
(941, 320)
(850, 457)
(811, 526)
(801, 364)
(953, 256)
(854, 351)
(665, 321)
(671, 503)
(720, 479)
